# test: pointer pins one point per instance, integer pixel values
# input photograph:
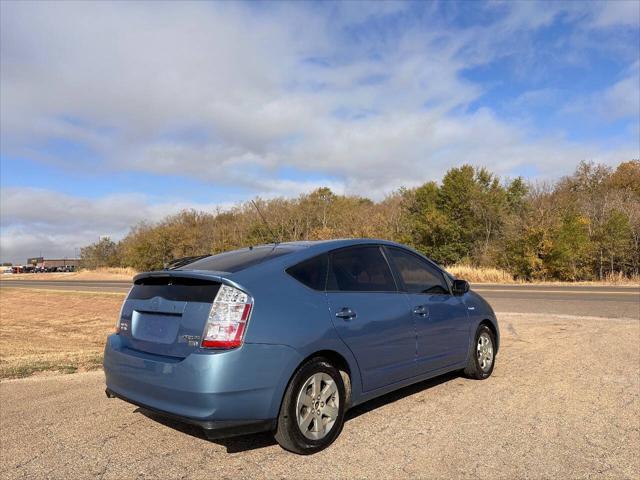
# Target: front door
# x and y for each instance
(369, 314)
(442, 324)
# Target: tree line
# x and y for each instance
(584, 226)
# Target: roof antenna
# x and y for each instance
(273, 235)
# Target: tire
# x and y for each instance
(482, 358)
(301, 429)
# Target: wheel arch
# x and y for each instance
(338, 361)
(341, 363)
(494, 329)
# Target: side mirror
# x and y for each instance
(460, 287)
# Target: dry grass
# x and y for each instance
(53, 331)
(619, 279)
(111, 273)
(495, 275)
(480, 275)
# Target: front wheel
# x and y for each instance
(482, 358)
(312, 411)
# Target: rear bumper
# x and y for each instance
(215, 390)
(213, 428)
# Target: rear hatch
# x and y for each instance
(165, 313)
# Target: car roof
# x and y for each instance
(293, 253)
(325, 245)
(303, 250)
(297, 251)
(308, 248)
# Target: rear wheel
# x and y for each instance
(482, 358)
(312, 411)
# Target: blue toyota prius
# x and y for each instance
(286, 337)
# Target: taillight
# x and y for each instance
(227, 319)
(119, 319)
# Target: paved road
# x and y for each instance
(598, 301)
(563, 402)
(595, 301)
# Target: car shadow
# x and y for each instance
(261, 440)
(232, 444)
(396, 395)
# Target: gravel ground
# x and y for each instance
(563, 402)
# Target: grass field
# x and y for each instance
(44, 331)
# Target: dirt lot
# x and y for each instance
(42, 330)
(563, 403)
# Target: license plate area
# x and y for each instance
(155, 327)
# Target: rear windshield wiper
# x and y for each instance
(181, 262)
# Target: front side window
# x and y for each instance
(360, 269)
(417, 274)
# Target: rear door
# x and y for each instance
(370, 315)
(442, 324)
(166, 315)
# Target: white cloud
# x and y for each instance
(616, 13)
(618, 101)
(134, 83)
(622, 100)
(56, 224)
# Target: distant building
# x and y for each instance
(41, 262)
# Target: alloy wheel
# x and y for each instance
(484, 351)
(317, 406)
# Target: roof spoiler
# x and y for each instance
(221, 277)
(216, 277)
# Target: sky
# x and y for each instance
(116, 113)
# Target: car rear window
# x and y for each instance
(312, 272)
(237, 260)
(175, 289)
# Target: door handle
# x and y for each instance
(346, 313)
(421, 311)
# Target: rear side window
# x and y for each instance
(360, 269)
(417, 274)
(312, 272)
(237, 260)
